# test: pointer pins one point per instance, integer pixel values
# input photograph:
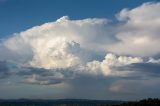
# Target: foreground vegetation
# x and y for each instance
(145, 102)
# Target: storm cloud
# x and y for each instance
(89, 57)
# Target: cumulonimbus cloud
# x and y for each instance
(89, 57)
(83, 46)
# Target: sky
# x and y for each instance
(79, 49)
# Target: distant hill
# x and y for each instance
(77, 102)
(57, 102)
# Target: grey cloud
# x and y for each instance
(133, 89)
(146, 70)
(4, 71)
(43, 76)
(39, 80)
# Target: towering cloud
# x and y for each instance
(73, 44)
(56, 44)
(73, 52)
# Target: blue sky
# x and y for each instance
(80, 49)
